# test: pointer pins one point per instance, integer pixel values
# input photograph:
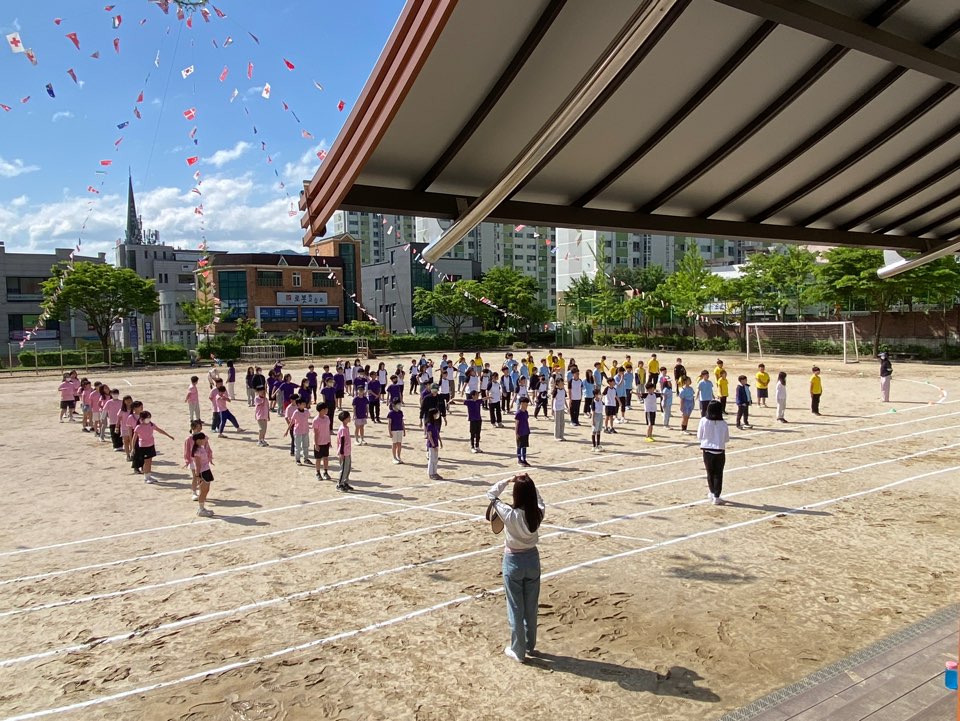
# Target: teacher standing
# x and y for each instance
(521, 560)
(886, 372)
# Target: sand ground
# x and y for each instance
(296, 602)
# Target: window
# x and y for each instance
(297, 282)
(348, 255)
(393, 310)
(322, 280)
(278, 315)
(391, 257)
(185, 279)
(24, 288)
(269, 278)
(319, 315)
(378, 283)
(19, 323)
(232, 289)
(636, 246)
(393, 281)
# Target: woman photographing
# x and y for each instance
(521, 560)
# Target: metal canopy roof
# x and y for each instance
(830, 123)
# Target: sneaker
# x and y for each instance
(149, 479)
(648, 439)
(326, 476)
(204, 512)
(717, 501)
(710, 496)
(118, 450)
(473, 450)
(196, 496)
(739, 427)
(599, 449)
(526, 465)
(61, 420)
(298, 462)
(345, 487)
(396, 461)
(509, 653)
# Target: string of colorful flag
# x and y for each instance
(332, 275)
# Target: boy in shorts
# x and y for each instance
(396, 428)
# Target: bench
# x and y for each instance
(903, 356)
(620, 346)
(666, 347)
(373, 352)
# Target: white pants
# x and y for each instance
(781, 408)
(433, 458)
(559, 421)
(230, 386)
(885, 388)
(195, 411)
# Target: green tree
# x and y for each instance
(515, 293)
(580, 297)
(938, 283)
(201, 313)
(361, 329)
(691, 287)
(850, 276)
(450, 303)
(102, 293)
(246, 331)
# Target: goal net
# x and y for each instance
(828, 338)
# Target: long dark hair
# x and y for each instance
(714, 411)
(525, 497)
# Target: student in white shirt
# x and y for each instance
(780, 396)
(560, 406)
(714, 434)
(610, 406)
(576, 397)
(494, 399)
(521, 560)
(650, 399)
(596, 419)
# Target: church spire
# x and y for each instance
(134, 228)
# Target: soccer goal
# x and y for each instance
(828, 338)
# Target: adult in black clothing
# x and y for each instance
(258, 380)
(432, 401)
(886, 372)
(679, 371)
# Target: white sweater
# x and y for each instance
(517, 535)
(713, 435)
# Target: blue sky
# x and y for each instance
(51, 148)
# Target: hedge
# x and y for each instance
(70, 358)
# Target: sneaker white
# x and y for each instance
(717, 501)
(149, 479)
(509, 653)
(710, 496)
(195, 496)
(204, 512)
(396, 461)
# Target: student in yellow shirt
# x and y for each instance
(763, 383)
(627, 365)
(551, 359)
(653, 368)
(604, 368)
(561, 362)
(816, 390)
(718, 370)
(723, 390)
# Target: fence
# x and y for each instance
(33, 357)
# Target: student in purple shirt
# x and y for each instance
(339, 383)
(311, 379)
(395, 390)
(522, 429)
(359, 384)
(360, 406)
(473, 405)
(373, 396)
(397, 429)
(329, 395)
(432, 434)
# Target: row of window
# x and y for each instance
(274, 279)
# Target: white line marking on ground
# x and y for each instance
(194, 523)
(422, 564)
(314, 643)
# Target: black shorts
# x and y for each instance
(148, 452)
(207, 476)
(651, 418)
(523, 441)
(339, 394)
(64, 405)
(611, 410)
(321, 451)
(763, 393)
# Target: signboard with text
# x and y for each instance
(297, 298)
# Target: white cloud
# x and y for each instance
(222, 157)
(305, 167)
(240, 215)
(15, 167)
(61, 115)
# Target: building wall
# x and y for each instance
(389, 286)
(21, 297)
(348, 250)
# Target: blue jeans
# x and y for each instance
(521, 580)
(228, 417)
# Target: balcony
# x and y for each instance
(13, 297)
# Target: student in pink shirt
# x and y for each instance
(67, 403)
(126, 429)
(261, 412)
(100, 406)
(344, 451)
(299, 427)
(202, 460)
(215, 421)
(287, 414)
(192, 400)
(220, 406)
(321, 440)
(86, 397)
(112, 410)
(195, 427)
(146, 449)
